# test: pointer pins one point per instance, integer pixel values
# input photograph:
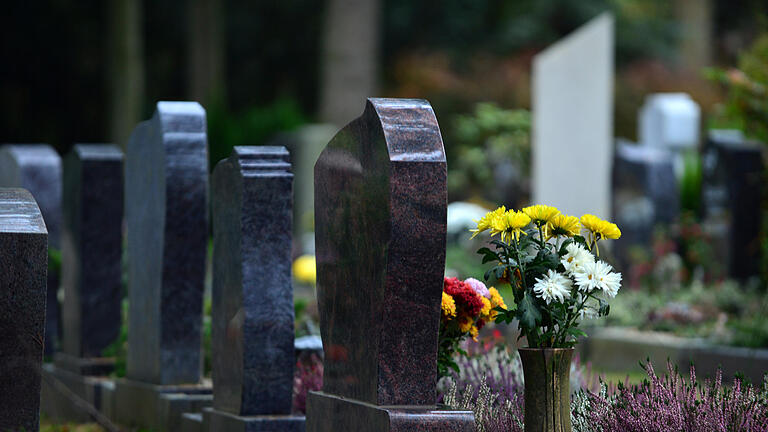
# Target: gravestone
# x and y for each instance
(37, 168)
(166, 214)
(572, 108)
(91, 242)
(252, 312)
(380, 220)
(669, 121)
(733, 176)
(24, 264)
(645, 194)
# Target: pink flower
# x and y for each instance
(478, 287)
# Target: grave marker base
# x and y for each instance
(61, 407)
(220, 421)
(329, 413)
(158, 407)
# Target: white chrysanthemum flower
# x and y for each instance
(553, 286)
(612, 282)
(592, 276)
(576, 258)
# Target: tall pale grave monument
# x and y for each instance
(573, 120)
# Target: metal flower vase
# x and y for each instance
(547, 389)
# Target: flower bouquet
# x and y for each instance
(557, 280)
(466, 307)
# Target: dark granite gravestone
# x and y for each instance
(166, 215)
(733, 176)
(645, 194)
(252, 314)
(380, 220)
(37, 168)
(92, 248)
(24, 267)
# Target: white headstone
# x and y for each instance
(573, 120)
(669, 120)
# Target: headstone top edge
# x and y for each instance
(180, 107)
(255, 160)
(583, 31)
(98, 151)
(410, 128)
(19, 212)
(32, 149)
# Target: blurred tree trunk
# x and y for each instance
(126, 67)
(205, 52)
(696, 20)
(350, 57)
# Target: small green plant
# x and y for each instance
(494, 153)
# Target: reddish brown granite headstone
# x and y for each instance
(380, 222)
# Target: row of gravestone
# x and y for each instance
(647, 188)
(380, 220)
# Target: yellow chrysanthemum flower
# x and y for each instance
(465, 323)
(486, 310)
(516, 221)
(563, 225)
(448, 306)
(496, 301)
(599, 228)
(473, 331)
(305, 269)
(485, 223)
(541, 214)
(500, 225)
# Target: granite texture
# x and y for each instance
(252, 311)
(92, 244)
(166, 215)
(380, 226)
(24, 264)
(37, 168)
(733, 176)
(380, 221)
(645, 194)
(330, 413)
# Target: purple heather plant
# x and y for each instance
(491, 384)
(671, 404)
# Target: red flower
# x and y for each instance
(465, 297)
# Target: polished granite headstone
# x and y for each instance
(37, 168)
(380, 221)
(252, 315)
(92, 248)
(166, 216)
(733, 178)
(91, 243)
(645, 196)
(166, 212)
(23, 271)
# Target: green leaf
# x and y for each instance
(576, 332)
(528, 313)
